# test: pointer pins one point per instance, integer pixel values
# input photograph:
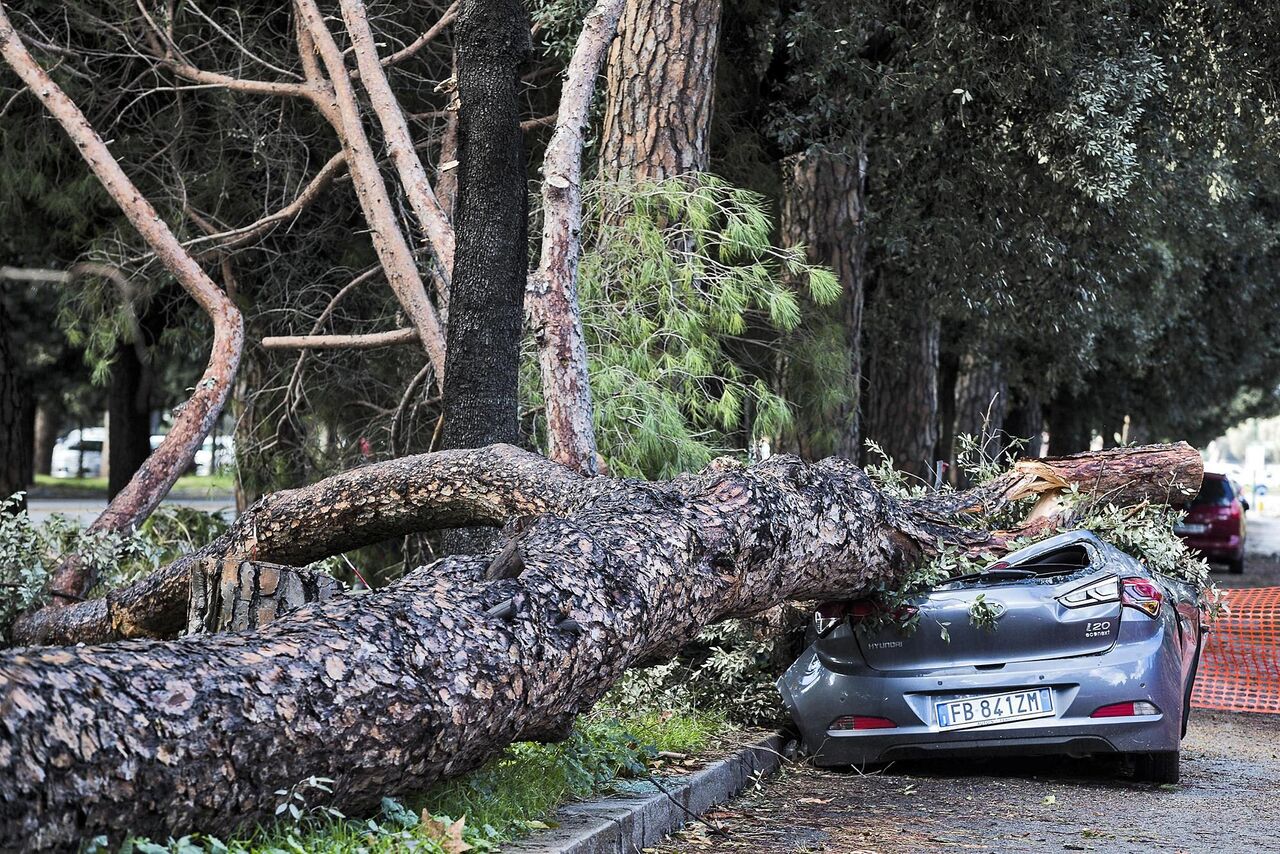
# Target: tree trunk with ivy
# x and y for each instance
(388, 692)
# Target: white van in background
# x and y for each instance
(79, 453)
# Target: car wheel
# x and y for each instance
(1163, 768)
(1236, 567)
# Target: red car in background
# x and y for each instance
(1214, 525)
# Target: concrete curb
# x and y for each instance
(626, 824)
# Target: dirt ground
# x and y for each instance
(1226, 802)
(1228, 799)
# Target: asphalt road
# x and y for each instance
(1226, 802)
(85, 510)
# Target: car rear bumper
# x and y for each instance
(1216, 548)
(816, 695)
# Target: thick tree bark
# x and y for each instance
(388, 692)
(486, 303)
(295, 527)
(661, 83)
(901, 411)
(128, 418)
(154, 479)
(17, 406)
(553, 290)
(824, 209)
(480, 396)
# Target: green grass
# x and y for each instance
(47, 486)
(508, 797)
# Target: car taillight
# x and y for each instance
(1097, 593)
(847, 722)
(1128, 709)
(1142, 594)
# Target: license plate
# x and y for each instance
(994, 709)
(1190, 529)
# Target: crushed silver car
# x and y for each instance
(1080, 650)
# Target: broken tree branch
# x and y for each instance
(337, 101)
(389, 692)
(552, 298)
(368, 341)
(399, 142)
(195, 417)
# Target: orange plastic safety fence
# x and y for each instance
(1240, 661)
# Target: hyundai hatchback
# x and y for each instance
(1081, 651)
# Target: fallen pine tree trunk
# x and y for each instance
(389, 692)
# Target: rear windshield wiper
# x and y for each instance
(995, 574)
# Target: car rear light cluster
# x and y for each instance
(1097, 593)
(848, 722)
(830, 614)
(1129, 709)
(1143, 594)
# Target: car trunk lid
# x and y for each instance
(1029, 622)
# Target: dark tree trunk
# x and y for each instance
(661, 82)
(1069, 428)
(128, 418)
(824, 208)
(901, 411)
(49, 414)
(491, 264)
(388, 692)
(17, 415)
(981, 399)
(1025, 421)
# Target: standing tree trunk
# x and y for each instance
(901, 411)
(128, 418)
(661, 80)
(388, 692)
(17, 406)
(491, 267)
(824, 208)
(1025, 421)
(48, 421)
(554, 313)
(981, 400)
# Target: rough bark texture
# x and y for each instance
(231, 595)
(486, 302)
(823, 208)
(295, 527)
(195, 417)
(552, 300)
(16, 406)
(389, 692)
(662, 70)
(128, 418)
(901, 411)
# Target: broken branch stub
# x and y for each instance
(389, 692)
